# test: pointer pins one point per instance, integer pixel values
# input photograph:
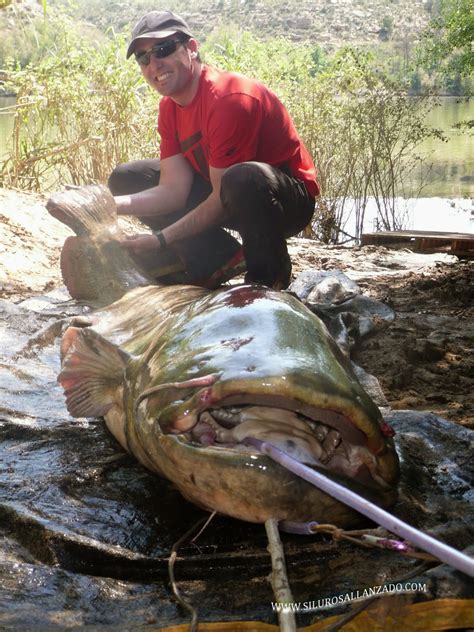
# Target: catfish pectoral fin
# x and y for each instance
(93, 370)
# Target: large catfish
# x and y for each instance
(183, 376)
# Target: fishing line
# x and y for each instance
(174, 586)
(356, 610)
(440, 550)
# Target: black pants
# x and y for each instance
(264, 204)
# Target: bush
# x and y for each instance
(79, 112)
(361, 128)
(386, 30)
(365, 135)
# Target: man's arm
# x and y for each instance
(209, 213)
(171, 194)
(206, 215)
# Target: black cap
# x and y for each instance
(157, 24)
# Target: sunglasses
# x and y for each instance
(159, 51)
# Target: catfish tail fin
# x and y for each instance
(87, 210)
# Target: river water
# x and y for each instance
(453, 161)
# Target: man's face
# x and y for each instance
(171, 75)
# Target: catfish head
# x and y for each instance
(215, 369)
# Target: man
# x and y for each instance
(230, 157)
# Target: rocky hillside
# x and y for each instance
(331, 23)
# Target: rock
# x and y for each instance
(324, 286)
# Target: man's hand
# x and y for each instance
(141, 243)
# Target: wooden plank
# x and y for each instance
(460, 244)
(419, 233)
(428, 244)
(368, 239)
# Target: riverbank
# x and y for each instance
(423, 361)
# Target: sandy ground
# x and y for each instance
(424, 360)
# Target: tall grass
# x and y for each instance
(78, 113)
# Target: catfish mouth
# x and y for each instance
(308, 440)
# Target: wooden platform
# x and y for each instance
(460, 244)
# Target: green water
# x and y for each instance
(453, 161)
(6, 124)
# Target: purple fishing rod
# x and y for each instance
(458, 560)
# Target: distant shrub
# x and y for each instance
(386, 29)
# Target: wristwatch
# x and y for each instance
(161, 238)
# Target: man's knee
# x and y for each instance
(245, 176)
(132, 177)
(119, 179)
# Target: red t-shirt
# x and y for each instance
(233, 119)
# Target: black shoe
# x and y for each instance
(274, 274)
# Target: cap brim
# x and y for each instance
(154, 34)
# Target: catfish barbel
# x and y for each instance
(183, 375)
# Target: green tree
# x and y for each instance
(447, 42)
